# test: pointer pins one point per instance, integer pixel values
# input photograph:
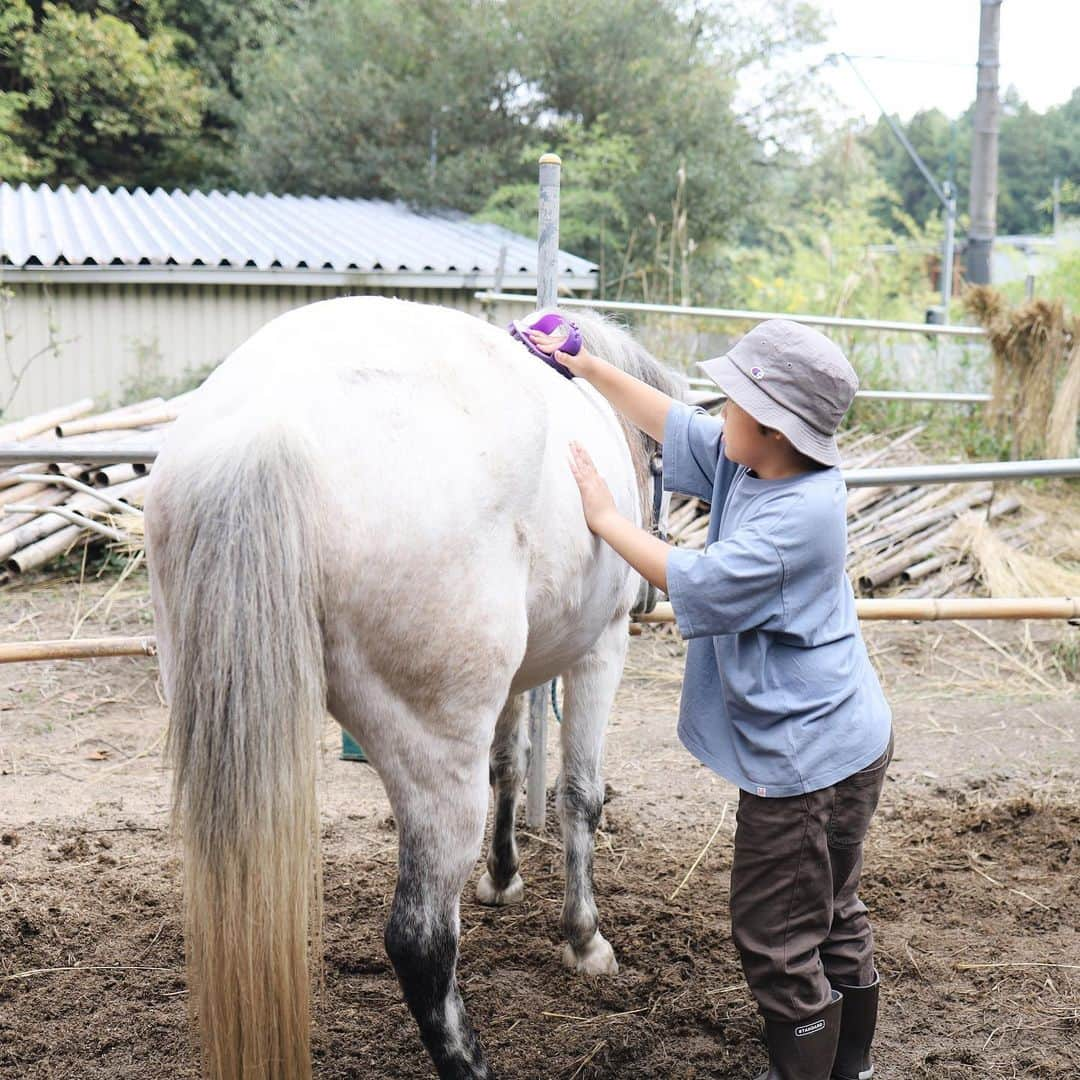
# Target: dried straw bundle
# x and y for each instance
(1004, 569)
(1033, 345)
(1061, 434)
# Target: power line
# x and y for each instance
(908, 60)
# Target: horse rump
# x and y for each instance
(233, 549)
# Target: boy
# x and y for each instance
(779, 695)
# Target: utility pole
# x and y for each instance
(984, 147)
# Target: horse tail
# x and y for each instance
(238, 568)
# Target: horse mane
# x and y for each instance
(612, 342)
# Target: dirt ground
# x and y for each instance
(971, 876)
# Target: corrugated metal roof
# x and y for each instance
(42, 227)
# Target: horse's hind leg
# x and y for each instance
(439, 797)
(589, 691)
(501, 884)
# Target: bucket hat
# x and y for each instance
(791, 378)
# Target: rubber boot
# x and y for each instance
(858, 1018)
(803, 1049)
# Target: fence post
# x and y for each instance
(547, 277)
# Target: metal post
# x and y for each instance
(547, 264)
(984, 147)
(536, 786)
(950, 247)
(547, 291)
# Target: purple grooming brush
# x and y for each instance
(548, 323)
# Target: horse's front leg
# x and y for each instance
(589, 691)
(501, 884)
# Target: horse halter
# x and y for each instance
(661, 500)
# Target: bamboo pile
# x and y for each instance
(47, 510)
(901, 537)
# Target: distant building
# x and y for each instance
(137, 285)
(1016, 258)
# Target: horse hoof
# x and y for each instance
(490, 896)
(597, 958)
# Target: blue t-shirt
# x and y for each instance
(779, 696)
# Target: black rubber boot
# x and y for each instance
(858, 1018)
(804, 1049)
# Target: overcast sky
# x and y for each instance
(1040, 46)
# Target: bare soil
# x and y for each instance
(971, 876)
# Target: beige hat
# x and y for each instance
(791, 378)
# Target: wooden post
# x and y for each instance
(77, 649)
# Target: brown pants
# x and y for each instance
(796, 917)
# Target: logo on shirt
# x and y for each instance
(761, 792)
(758, 373)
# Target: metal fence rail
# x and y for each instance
(739, 314)
(884, 477)
(714, 393)
(19, 454)
(968, 473)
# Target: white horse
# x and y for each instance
(368, 509)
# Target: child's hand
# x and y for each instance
(596, 499)
(580, 365)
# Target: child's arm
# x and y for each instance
(646, 553)
(645, 406)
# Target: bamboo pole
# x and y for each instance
(887, 566)
(14, 476)
(929, 609)
(115, 482)
(105, 421)
(54, 544)
(163, 415)
(35, 425)
(862, 523)
(10, 523)
(75, 518)
(922, 610)
(35, 530)
(76, 649)
(115, 474)
(24, 490)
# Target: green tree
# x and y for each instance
(661, 77)
(378, 99)
(1033, 149)
(85, 99)
(944, 146)
(833, 254)
(592, 219)
(446, 103)
(217, 37)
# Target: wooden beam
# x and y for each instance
(1044, 607)
(77, 649)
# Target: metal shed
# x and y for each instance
(103, 290)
